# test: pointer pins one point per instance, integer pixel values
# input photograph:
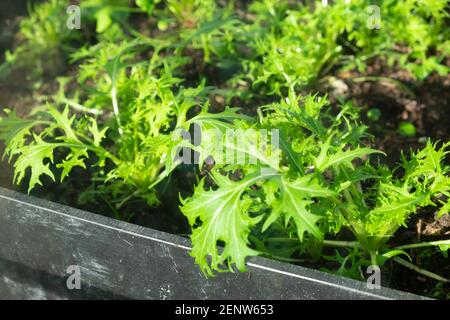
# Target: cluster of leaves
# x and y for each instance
(124, 115)
(108, 15)
(146, 134)
(48, 35)
(43, 38)
(126, 85)
(324, 182)
(295, 46)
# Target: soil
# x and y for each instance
(424, 104)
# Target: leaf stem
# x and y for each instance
(286, 259)
(327, 243)
(415, 268)
(373, 257)
(116, 108)
(79, 107)
(422, 244)
(344, 244)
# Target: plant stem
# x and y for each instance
(79, 107)
(286, 259)
(327, 243)
(116, 108)
(422, 244)
(131, 195)
(281, 239)
(373, 258)
(344, 244)
(424, 272)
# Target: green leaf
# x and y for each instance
(240, 146)
(75, 158)
(64, 122)
(395, 205)
(392, 253)
(445, 209)
(349, 264)
(407, 129)
(147, 5)
(324, 161)
(294, 157)
(37, 154)
(295, 197)
(33, 156)
(14, 130)
(96, 134)
(104, 20)
(444, 247)
(221, 121)
(374, 114)
(220, 217)
(230, 142)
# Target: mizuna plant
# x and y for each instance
(43, 37)
(137, 89)
(326, 181)
(148, 116)
(339, 35)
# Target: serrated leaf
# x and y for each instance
(295, 197)
(324, 161)
(232, 143)
(14, 130)
(445, 209)
(395, 204)
(64, 122)
(33, 156)
(75, 158)
(220, 216)
(294, 158)
(220, 121)
(96, 134)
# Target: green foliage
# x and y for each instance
(295, 46)
(147, 5)
(43, 40)
(232, 228)
(325, 182)
(144, 132)
(108, 14)
(137, 87)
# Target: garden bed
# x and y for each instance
(118, 260)
(401, 93)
